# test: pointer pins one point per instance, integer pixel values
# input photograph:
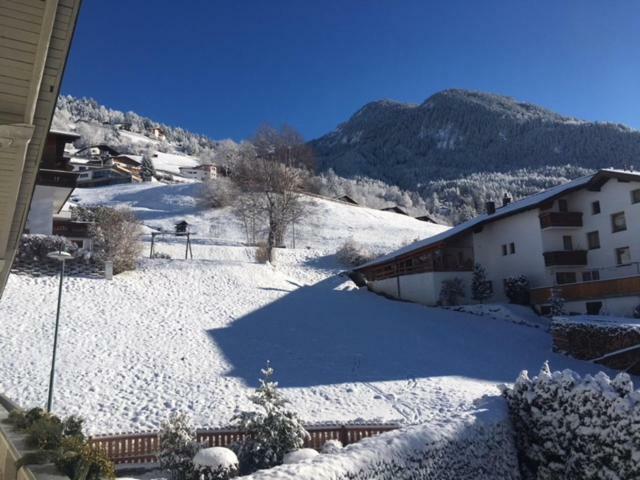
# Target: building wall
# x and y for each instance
(421, 288)
(40, 219)
(523, 230)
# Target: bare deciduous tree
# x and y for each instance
(272, 171)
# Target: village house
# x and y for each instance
(200, 172)
(54, 184)
(581, 239)
(158, 133)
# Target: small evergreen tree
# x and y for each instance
(451, 290)
(148, 170)
(178, 446)
(271, 431)
(480, 286)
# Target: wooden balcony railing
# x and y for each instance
(565, 257)
(617, 287)
(560, 219)
(415, 266)
(57, 178)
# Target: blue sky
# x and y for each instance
(224, 67)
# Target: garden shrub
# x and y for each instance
(516, 290)
(36, 247)
(451, 292)
(572, 427)
(178, 446)
(80, 460)
(215, 463)
(115, 233)
(352, 254)
(271, 431)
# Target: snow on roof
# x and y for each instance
(526, 203)
(170, 162)
(65, 133)
(135, 158)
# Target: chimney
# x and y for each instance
(490, 207)
(506, 200)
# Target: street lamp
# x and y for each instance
(61, 257)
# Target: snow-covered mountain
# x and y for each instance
(455, 133)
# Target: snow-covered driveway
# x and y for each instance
(192, 335)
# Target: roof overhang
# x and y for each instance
(34, 45)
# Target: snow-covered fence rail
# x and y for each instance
(143, 447)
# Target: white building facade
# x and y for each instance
(580, 241)
(201, 172)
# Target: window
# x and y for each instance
(623, 256)
(593, 240)
(591, 276)
(512, 248)
(562, 205)
(618, 222)
(565, 277)
(595, 208)
(635, 196)
(504, 250)
(593, 308)
(567, 242)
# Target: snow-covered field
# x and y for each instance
(191, 335)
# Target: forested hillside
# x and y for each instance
(448, 155)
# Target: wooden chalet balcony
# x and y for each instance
(57, 178)
(565, 258)
(68, 228)
(560, 219)
(617, 287)
(414, 266)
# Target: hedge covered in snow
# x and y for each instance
(576, 428)
(481, 447)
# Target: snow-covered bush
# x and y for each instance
(178, 446)
(480, 286)
(451, 291)
(161, 256)
(215, 463)
(517, 289)
(116, 234)
(270, 431)
(481, 447)
(218, 193)
(298, 456)
(331, 446)
(576, 428)
(35, 247)
(352, 254)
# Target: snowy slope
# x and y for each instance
(171, 162)
(192, 335)
(327, 226)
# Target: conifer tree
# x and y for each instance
(480, 286)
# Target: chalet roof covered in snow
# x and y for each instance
(594, 181)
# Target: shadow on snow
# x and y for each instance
(322, 335)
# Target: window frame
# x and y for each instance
(635, 196)
(567, 240)
(596, 209)
(563, 205)
(619, 251)
(614, 228)
(591, 246)
(512, 248)
(570, 274)
(504, 250)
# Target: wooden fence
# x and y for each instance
(142, 448)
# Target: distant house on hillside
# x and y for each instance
(200, 172)
(579, 241)
(131, 164)
(426, 218)
(101, 150)
(158, 133)
(347, 199)
(395, 209)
